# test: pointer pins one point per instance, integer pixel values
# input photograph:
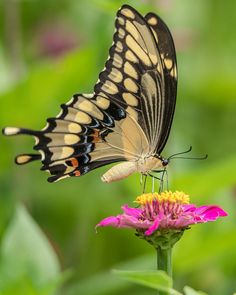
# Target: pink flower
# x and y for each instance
(166, 210)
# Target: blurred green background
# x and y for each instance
(52, 49)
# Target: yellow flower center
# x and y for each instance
(164, 197)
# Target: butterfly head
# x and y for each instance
(164, 162)
(161, 162)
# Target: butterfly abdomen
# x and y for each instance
(119, 171)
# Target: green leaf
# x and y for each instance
(157, 280)
(28, 263)
(190, 291)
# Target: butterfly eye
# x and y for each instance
(165, 162)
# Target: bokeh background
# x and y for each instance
(52, 49)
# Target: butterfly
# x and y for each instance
(126, 119)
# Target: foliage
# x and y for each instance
(28, 263)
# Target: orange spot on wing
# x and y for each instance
(77, 173)
(96, 137)
(74, 162)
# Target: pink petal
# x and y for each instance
(131, 211)
(128, 221)
(210, 213)
(199, 215)
(153, 227)
(184, 220)
(163, 219)
(189, 207)
(124, 221)
(110, 221)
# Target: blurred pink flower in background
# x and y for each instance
(54, 39)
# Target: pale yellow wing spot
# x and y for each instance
(152, 21)
(128, 13)
(58, 139)
(71, 139)
(83, 118)
(119, 47)
(23, 159)
(61, 152)
(130, 56)
(121, 20)
(102, 102)
(130, 99)
(130, 70)
(117, 61)
(173, 73)
(168, 63)
(121, 33)
(115, 75)
(65, 126)
(130, 85)
(109, 87)
(74, 128)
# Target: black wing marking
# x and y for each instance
(166, 48)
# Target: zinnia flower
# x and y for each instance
(164, 211)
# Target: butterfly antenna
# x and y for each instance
(181, 153)
(192, 158)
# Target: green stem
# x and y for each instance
(164, 262)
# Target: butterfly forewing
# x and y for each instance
(131, 78)
(166, 48)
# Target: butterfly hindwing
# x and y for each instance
(83, 146)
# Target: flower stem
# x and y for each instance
(164, 262)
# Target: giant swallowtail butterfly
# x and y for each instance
(128, 116)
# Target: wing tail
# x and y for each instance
(23, 158)
(27, 158)
(11, 131)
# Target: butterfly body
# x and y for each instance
(123, 170)
(128, 116)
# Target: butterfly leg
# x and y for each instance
(144, 183)
(162, 180)
(153, 181)
(167, 183)
(162, 172)
(153, 185)
(141, 179)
